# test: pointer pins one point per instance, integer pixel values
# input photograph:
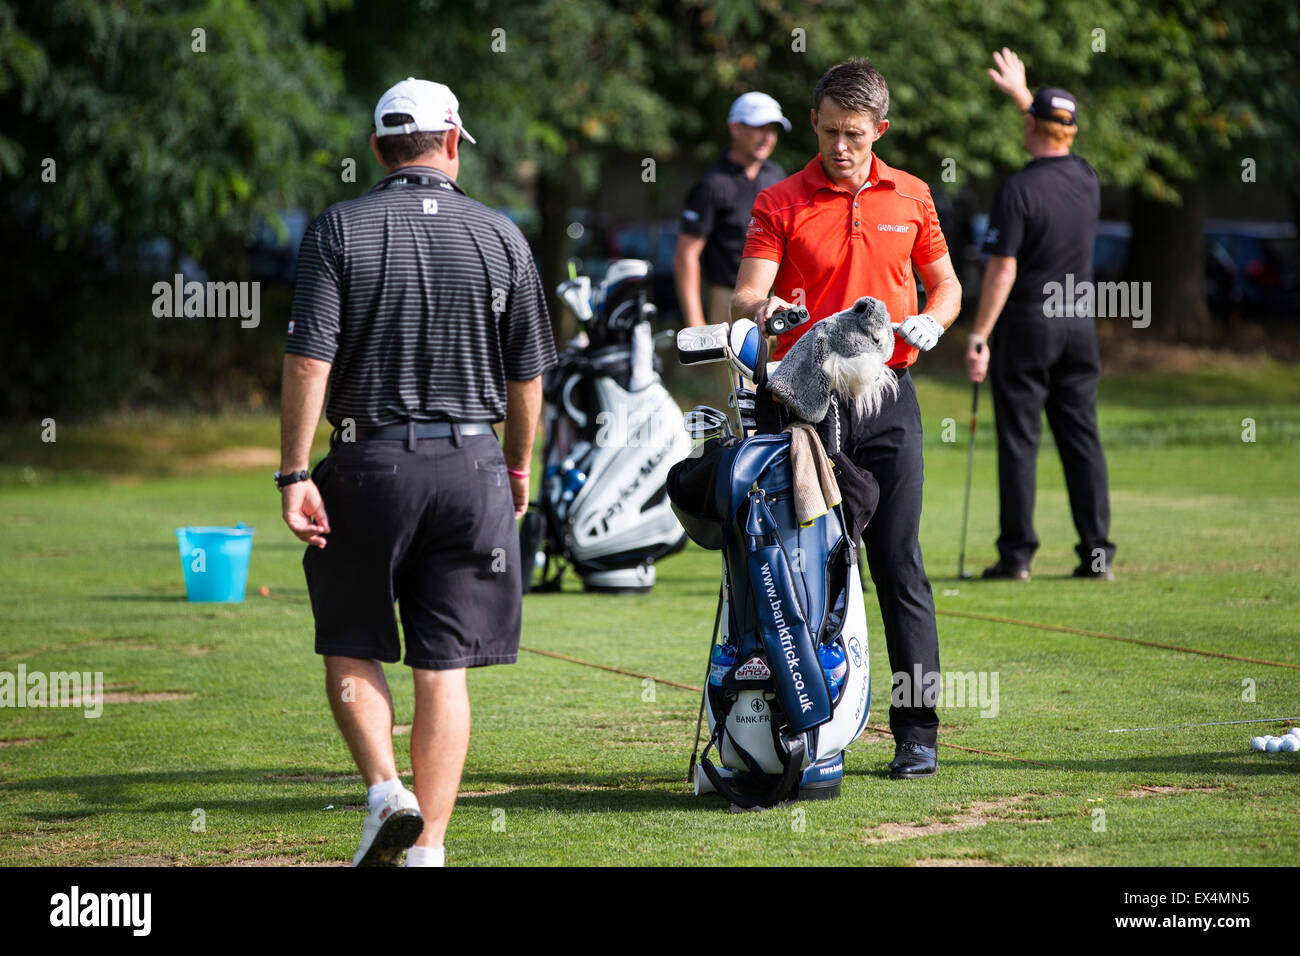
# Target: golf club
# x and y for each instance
(962, 573)
(699, 721)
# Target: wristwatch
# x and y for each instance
(283, 480)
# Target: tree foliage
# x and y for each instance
(155, 132)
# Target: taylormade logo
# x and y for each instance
(787, 639)
(1105, 300)
(74, 909)
(55, 689)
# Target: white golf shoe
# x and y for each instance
(389, 830)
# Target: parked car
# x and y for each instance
(1252, 267)
(1258, 265)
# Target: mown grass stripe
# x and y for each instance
(611, 669)
(1113, 637)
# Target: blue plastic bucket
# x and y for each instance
(215, 561)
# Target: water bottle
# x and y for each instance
(721, 661)
(571, 480)
(834, 666)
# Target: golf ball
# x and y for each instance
(1257, 743)
(1289, 744)
(1272, 744)
(1293, 732)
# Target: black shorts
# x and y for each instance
(434, 531)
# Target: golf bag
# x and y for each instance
(612, 432)
(789, 683)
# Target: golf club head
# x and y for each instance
(743, 399)
(697, 345)
(703, 423)
(576, 294)
(747, 347)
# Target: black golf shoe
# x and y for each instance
(1005, 571)
(913, 760)
(1086, 570)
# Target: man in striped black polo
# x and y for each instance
(422, 310)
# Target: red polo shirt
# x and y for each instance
(836, 246)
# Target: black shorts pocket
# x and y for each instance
(364, 468)
(370, 477)
(493, 472)
(322, 471)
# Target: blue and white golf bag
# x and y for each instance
(789, 684)
(612, 431)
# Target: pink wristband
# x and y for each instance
(521, 475)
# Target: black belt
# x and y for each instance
(411, 432)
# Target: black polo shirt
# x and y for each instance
(1046, 217)
(425, 301)
(717, 208)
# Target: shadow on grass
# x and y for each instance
(588, 793)
(537, 791)
(596, 793)
(1182, 764)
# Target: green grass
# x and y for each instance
(570, 764)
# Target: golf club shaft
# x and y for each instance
(970, 462)
(699, 721)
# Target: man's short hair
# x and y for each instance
(400, 148)
(855, 85)
(1057, 128)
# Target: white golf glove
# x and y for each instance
(920, 331)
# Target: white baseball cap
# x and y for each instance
(757, 109)
(431, 106)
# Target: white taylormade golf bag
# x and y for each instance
(612, 432)
(789, 683)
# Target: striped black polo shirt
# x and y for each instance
(425, 301)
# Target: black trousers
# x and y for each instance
(889, 446)
(1039, 363)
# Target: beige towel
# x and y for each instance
(815, 489)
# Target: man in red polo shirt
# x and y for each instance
(845, 226)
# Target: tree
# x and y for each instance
(138, 120)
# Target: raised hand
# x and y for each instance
(1009, 77)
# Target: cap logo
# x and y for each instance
(1061, 103)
